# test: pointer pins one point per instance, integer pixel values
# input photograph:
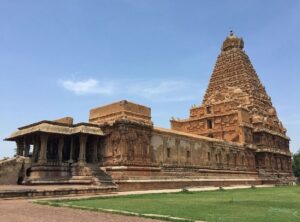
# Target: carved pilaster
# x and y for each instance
(177, 147)
(165, 147)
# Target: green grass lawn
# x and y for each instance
(253, 205)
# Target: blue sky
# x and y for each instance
(61, 58)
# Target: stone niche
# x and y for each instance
(121, 110)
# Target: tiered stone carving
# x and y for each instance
(237, 108)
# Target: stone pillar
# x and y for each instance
(71, 150)
(95, 150)
(26, 148)
(20, 147)
(36, 149)
(82, 150)
(43, 150)
(60, 148)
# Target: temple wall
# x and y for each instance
(272, 162)
(11, 170)
(224, 127)
(175, 159)
(178, 149)
(126, 143)
(264, 139)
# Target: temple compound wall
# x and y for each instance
(233, 137)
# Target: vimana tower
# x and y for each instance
(237, 108)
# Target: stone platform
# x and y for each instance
(139, 185)
(22, 191)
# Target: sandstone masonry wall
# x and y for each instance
(10, 170)
(171, 148)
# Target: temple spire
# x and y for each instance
(234, 76)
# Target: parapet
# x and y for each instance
(65, 120)
(121, 110)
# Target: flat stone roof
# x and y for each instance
(57, 128)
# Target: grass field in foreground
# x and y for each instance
(257, 204)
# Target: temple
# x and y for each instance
(233, 137)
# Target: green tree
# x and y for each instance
(296, 163)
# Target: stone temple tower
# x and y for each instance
(237, 108)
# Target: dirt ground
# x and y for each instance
(24, 210)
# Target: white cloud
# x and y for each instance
(167, 91)
(164, 87)
(163, 91)
(89, 86)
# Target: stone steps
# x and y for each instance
(100, 177)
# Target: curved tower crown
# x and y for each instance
(232, 41)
